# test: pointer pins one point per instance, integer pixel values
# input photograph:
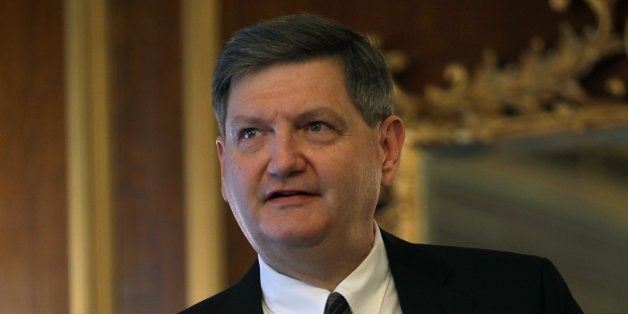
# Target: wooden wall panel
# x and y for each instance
(33, 250)
(146, 66)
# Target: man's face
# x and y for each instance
(299, 165)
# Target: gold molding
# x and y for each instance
(204, 214)
(90, 223)
(542, 90)
(541, 94)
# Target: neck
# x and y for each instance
(323, 266)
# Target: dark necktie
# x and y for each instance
(336, 304)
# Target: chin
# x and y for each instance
(296, 237)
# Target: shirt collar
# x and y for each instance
(364, 288)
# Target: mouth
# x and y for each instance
(278, 195)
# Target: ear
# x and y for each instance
(221, 150)
(392, 135)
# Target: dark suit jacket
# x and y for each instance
(440, 279)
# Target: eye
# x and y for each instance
(320, 132)
(249, 133)
(317, 126)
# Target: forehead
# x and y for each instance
(291, 86)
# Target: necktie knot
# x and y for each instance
(336, 304)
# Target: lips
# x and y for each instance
(284, 194)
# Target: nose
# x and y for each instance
(286, 158)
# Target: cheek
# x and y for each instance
(237, 190)
(356, 179)
(236, 180)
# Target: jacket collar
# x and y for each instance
(421, 279)
(246, 296)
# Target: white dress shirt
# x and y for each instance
(368, 289)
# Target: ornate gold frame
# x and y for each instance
(539, 95)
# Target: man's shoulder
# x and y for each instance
(454, 255)
(472, 262)
(474, 265)
(491, 279)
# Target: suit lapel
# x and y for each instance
(421, 279)
(247, 294)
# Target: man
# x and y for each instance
(308, 139)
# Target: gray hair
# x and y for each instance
(299, 38)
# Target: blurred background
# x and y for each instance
(109, 185)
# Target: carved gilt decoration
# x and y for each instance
(541, 94)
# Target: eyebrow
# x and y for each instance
(241, 120)
(245, 119)
(319, 113)
(324, 114)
